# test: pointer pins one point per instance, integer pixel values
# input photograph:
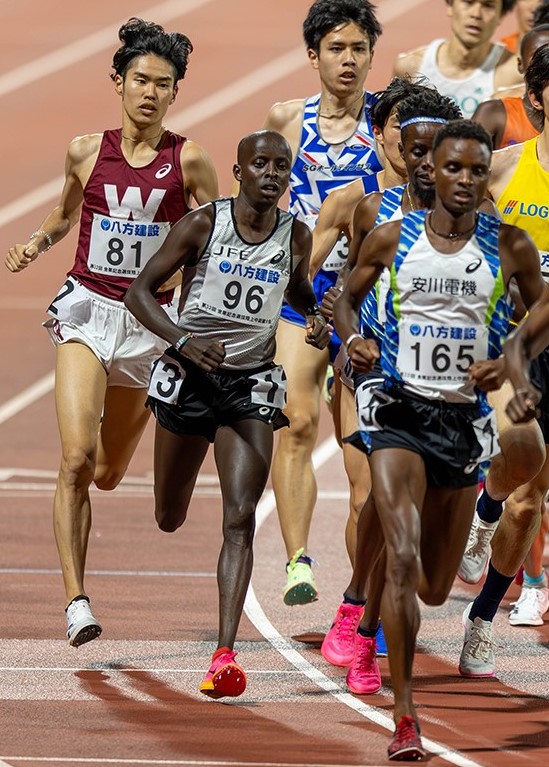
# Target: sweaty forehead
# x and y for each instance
(464, 150)
(420, 133)
(269, 146)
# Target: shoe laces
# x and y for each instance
(479, 540)
(480, 642)
(407, 729)
(365, 654)
(347, 620)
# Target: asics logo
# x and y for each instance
(473, 266)
(163, 171)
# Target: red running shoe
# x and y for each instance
(224, 677)
(364, 677)
(406, 743)
(338, 647)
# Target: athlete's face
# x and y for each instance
(524, 12)
(388, 138)
(147, 90)
(474, 22)
(416, 144)
(264, 169)
(461, 172)
(343, 60)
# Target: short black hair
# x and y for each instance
(541, 14)
(325, 15)
(539, 29)
(536, 76)
(140, 38)
(506, 5)
(428, 103)
(398, 89)
(466, 129)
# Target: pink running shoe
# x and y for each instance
(406, 744)
(338, 647)
(364, 677)
(224, 677)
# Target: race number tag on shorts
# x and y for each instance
(486, 432)
(239, 291)
(269, 387)
(122, 248)
(439, 354)
(65, 304)
(166, 378)
(369, 399)
(337, 257)
(344, 367)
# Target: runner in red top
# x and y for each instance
(128, 186)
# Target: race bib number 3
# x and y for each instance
(166, 378)
(337, 257)
(122, 248)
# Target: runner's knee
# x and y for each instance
(303, 426)
(107, 478)
(169, 519)
(239, 523)
(77, 468)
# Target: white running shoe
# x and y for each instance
(82, 627)
(530, 607)
(477, 551)
(477, 655)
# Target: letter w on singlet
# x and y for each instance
(131, 205)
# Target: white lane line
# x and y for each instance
(257, 616)
(27, 397)
(69, 55)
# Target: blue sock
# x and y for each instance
(535, 583)
(495, 587)
(488, 509)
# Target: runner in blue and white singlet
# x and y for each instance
(332, 144)
(318, 169)
(448, 312)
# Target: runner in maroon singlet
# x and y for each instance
(129, 186)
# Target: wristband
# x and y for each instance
(45, 236)
(178, 345)
(350, 339)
